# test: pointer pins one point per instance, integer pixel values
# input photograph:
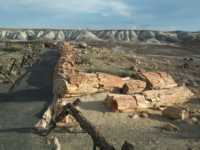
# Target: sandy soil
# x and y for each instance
(21, 109)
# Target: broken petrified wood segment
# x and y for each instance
(126, 103)
(148, 99)
(158, 80)
(109, 82)
(121, 103)
(175, 113)
(77, 84)
(82, 83)
(168, 97)
(141, 101)
(133, 86)
(97, 138)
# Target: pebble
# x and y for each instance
(144, 115)
(194, 120)
(133, 116)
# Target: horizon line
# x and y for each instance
(98, 28)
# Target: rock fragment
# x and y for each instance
(142, 102)
(121, 103)
(195, 120)
(133, 86)
(158, 80)
(109, 82)
(176, 113)
(126, 103)
(168, 97)
(144, 114)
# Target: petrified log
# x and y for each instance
(68, 80)
(148, 99)
(98, 139)
(121, 103)
(141, 101)
(133, 86)
(175, 113)
(77, 84)
(70, 109)
(168, 97)
(109, 82)
(158, 80)
(86, 83)
(126, 103)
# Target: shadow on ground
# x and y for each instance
(94, 106)
(21, 107)
(37, 84)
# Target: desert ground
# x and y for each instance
(26, 92)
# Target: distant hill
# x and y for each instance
(148, 36)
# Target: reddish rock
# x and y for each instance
(158, 80)
(83, 83)
(109, 82)
(168, 97)
(133, 86)
(121, 103)
(142, 102)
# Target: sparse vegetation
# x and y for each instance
(11, 49)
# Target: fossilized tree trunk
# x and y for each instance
(148, 99)
(158, 80)
(155, 88)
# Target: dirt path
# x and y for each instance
(20, 110)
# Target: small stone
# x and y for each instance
(194, 120)
(135, 116)
(130, 115)
(144, 114)
(160, 108)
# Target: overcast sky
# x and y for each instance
(155, 14)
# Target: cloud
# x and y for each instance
(108, 7)
(181, 14)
